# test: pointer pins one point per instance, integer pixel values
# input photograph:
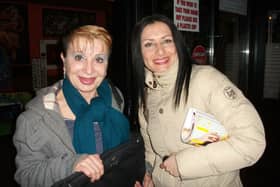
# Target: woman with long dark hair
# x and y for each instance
(169, 90)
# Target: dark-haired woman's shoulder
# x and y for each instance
(206, 72)
(205, 77)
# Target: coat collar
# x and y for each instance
(161, 80)
(45, 104)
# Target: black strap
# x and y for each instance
(116, 94)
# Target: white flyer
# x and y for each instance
(198, 125)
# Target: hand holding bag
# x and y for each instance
(123, 165)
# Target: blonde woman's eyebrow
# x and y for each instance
(104, 56)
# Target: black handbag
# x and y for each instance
(123, 165)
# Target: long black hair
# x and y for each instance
(185, 61)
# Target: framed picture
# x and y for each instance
(14, 33)
(56, 22)
(14, 47)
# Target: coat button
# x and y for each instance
(154, 84)
(160, 110)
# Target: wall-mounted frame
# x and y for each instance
(14, 32)
(56, 22)
(14, 49)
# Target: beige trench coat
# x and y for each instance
(214, 165)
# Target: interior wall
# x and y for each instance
(21, 70)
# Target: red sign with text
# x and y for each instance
(199, 54)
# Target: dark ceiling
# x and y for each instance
(96, 4)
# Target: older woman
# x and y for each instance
(67, 125)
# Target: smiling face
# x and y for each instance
(85, 64)
(158, 48)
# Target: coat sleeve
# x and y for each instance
(39, 159)
(246, 142)
(149, 153)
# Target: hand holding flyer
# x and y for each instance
(200, 127)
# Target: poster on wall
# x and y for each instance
(13, 32)
(13, 40)
(186, 15)
(57, 22)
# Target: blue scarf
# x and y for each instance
(113, 124)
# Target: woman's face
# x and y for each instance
(158, 48)
(86, 65)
